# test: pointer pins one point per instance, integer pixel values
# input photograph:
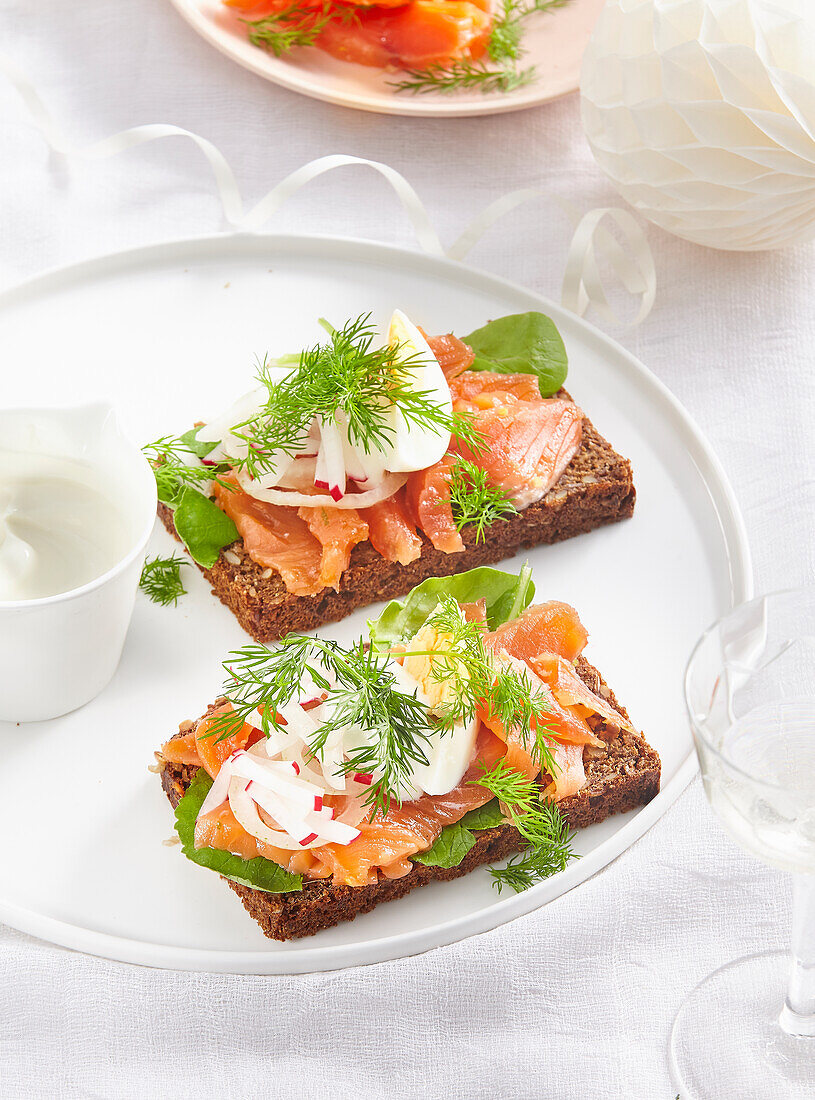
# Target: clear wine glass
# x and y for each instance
(748, 1029)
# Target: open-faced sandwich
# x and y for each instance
(329, 779)
(354, 471)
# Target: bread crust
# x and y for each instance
(624, 776)
(595, 489)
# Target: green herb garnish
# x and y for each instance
(505, 596)
(504, 50)
(455, 841)
(161, 580)
(296, 25)
(522, 343)
(461, 76)
(176, 465)
(394, 727)
(477, 679)
(180, 476)
(540, 823)
(259, 873)
(474, 501)
(347, 381)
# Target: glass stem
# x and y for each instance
(798, 1013)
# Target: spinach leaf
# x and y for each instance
(455, 841)
(259, 873)
(197, 446)
(450, 848)
(522, 343)
(506, 596)
(203, 528)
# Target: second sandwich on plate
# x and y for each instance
(468, 726)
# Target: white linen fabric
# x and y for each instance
(576, 1000)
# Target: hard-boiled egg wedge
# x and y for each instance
(413, 447)
(426, 669)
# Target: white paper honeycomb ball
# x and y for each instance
(702, 114)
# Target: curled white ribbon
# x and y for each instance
(582, 283)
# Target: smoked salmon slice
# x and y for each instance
(428, 500)
(571, 691)
(412, 36)
(390, 530)
(483, 389)
(338, 530)
(200, 745)
(543, 628)
(569, 775)
(275, 537)
(392, 32)
(526, 445)
(453, 355)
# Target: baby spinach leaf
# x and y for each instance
(455, 841)
(198, 447)
(203, 528)
(450, 848)
(488, 816)
(506, 596)
(259, 873)
(522, 343)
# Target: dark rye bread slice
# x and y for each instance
(596, 488)
(620, 777)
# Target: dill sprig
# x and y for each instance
(474, 501)
(361, 694)
(479, 680)
(504, 49)
(462, 75)
(351, 382)
(540, 823)
(161, 580)
(176, 462)
(296, 25)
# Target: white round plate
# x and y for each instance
(169, 334)
(554, 42)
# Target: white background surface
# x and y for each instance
(575, 1001)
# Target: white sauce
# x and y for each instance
(58, 530)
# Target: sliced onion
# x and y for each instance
(219, 791)
(294, 499)
(245, 809)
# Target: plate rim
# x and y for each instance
(408, 107)
(336, 957)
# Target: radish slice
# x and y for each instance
(310, 830)
(294, 499)
(332, 473)
(321, 469)
(278, 777)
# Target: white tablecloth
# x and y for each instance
(574, 1001)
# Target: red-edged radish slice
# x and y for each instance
(332, 455)
(295, 790)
